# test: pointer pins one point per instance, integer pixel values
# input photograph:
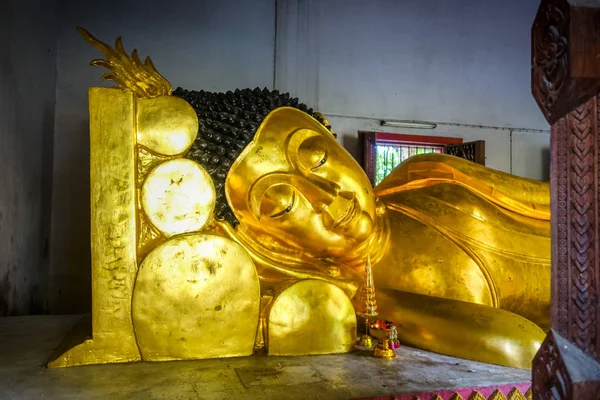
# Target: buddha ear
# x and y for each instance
(321, 118)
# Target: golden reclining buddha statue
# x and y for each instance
(225, 224)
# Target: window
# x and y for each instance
(389, 156)
(382, 152)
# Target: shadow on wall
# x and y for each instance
(70, 279)
(27, 98)
(546, 164)
(352, 145)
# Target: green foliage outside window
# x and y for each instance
(389, 157)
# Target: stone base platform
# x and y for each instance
(26, 343)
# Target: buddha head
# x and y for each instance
(294, 183)
(287, 182)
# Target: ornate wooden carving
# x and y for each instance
(550, 377)
(562, 371)
(367, 156)
(564, 45)
(565, 84)
(472, 151)
(503, 392)
(562, 33)
(575, 158)
(550, 54)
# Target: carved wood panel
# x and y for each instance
(575, 225)
(565, 84)
(367, 156)
(550, 55)
(565, 71)
(472, 151)
(550, 377)
(561, 371)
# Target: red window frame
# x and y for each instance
(369, 141)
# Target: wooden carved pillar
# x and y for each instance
(566, 86)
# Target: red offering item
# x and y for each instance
(380, 324)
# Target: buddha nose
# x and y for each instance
(323, 192)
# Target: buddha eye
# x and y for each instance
(277, 201)
(312, 153)
(321, 162)
(287, 209)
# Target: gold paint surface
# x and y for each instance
(523, 196)
(128, 72)
(166, 125)
(178, 196)
(196, 296)
(294, 182)
(461, 329)
(148, 236)
(515, 394)
(311, 317)
(440, 227)
(146, 162)
(477, 396)
(113, 234)
(460, 253)
(484, 253)
(497, 395)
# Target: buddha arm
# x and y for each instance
(448, 241)
(523, 196)
(461, 329)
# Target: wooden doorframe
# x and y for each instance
(565, 83)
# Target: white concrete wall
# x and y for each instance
(531, 155)
(195, 44)
(27, 84)
(459, 61)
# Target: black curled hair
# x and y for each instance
(227, 123)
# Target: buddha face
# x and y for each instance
(296, 185)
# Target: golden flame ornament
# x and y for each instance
(128, 72)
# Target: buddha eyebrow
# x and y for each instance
(258, 189)
(293, 143)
